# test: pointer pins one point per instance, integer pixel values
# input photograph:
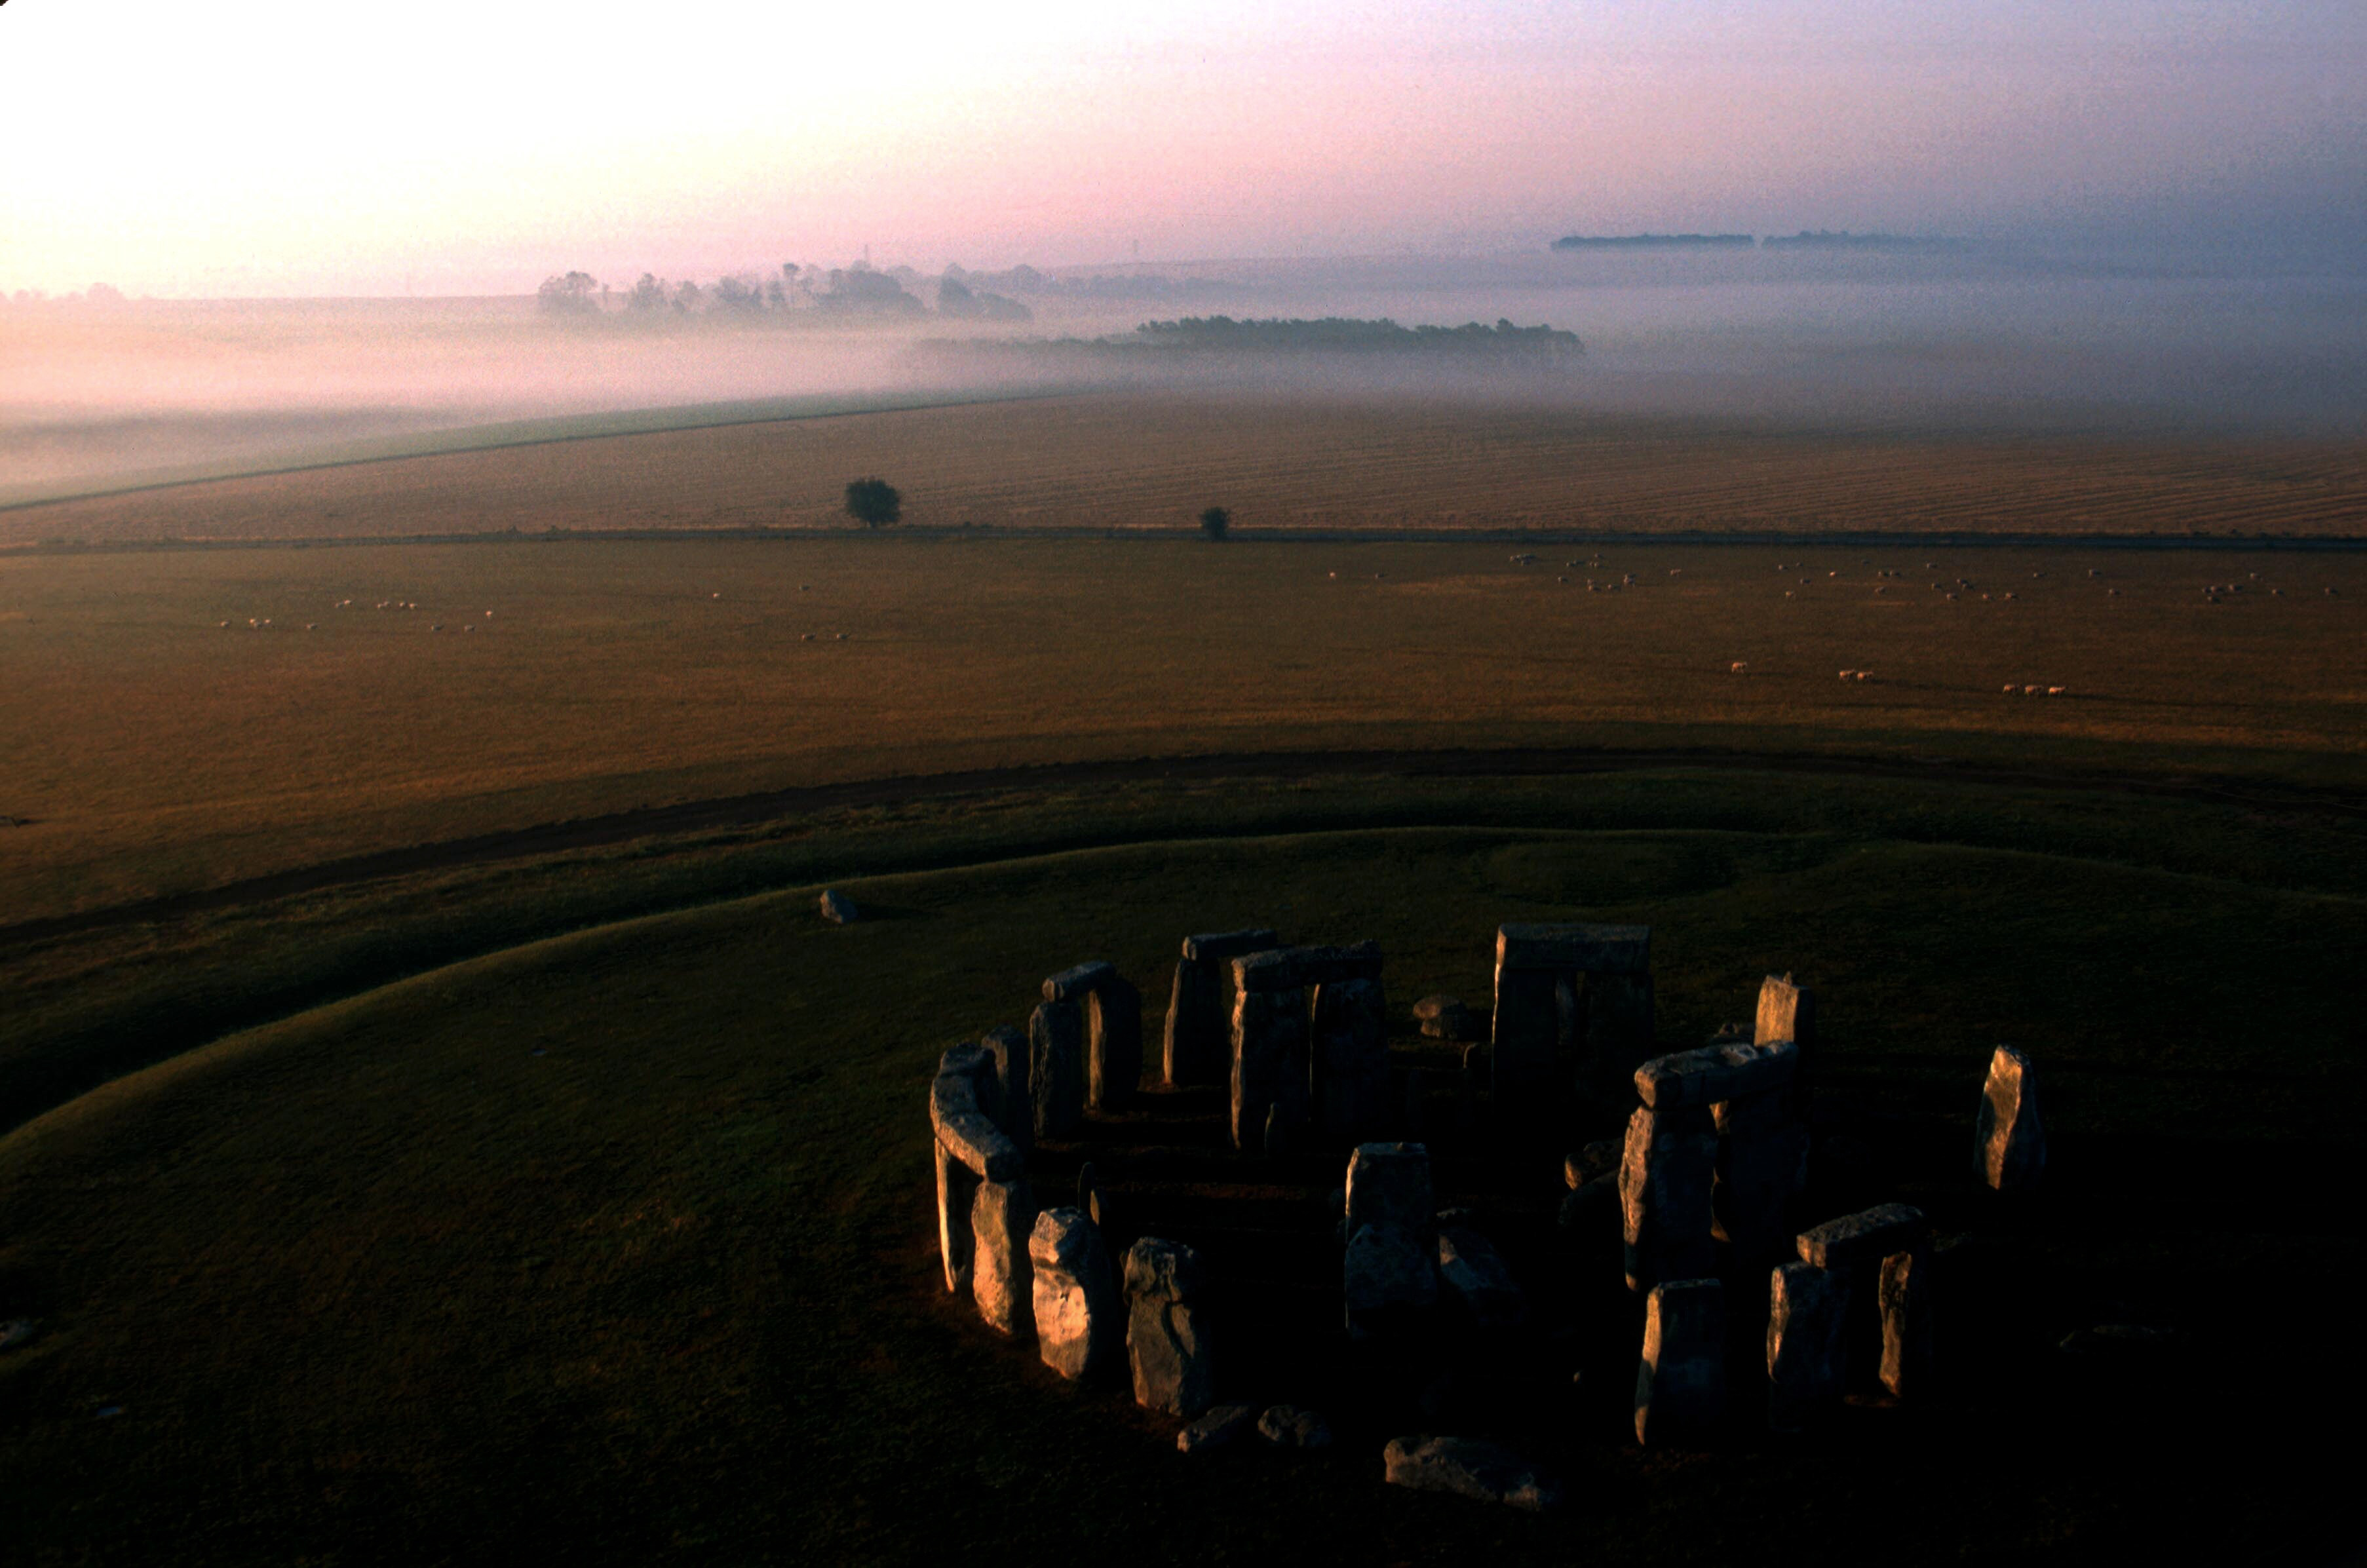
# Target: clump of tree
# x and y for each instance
(1214, 524)
(570, 294)
(858, 290)
(874, 503)
(1336, 335)
(960, 302)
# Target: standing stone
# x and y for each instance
(1078, 981)
(1056, 1038)
(1350, 1060)
(1666, 1177)
(1619, 1027)
(1116, 1036)
(1549, 978)
(1280, 1136)
(1787, 1011)
(957, 1189)
(1475, 1277)
(1015, 1106)
(1389, 1272)
(1003, 1217)
(1905, 1322)
(1197, 1039)
(1681, 1378)
(966, 1146)
(1807, 1360)
(1269, 1045)
(1089, 1192)
(2012, 1140)
(1077, 1325)
(1166, 1344)
(1521, 1049)
(1763, 1167)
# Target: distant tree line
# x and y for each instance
(1820, 239)
(855, 294)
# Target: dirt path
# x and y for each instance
(746, 810)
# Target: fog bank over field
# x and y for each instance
(97, 393)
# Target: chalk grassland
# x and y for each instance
(145, 748)
(618, 1246)
(1142, 461)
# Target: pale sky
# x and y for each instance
(271, 147)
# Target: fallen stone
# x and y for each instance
(1290, 1427)
(1864, 1239)
(1469, 1469)
(1666, 1178)
(1056, 1039)
(838, 909)
(1002, 1217)
(1906, 1298)
(1807, 1360)
(1167, 1348)
(1015, 1106)
(1600, 1157)
(1473, 1275)
(1077, 1324)
(1223, 947)
(1114, 1030)
(1223, 1425)
(1714, 1073)
(1588, 949)
(1681, 1377)
(1445, 1018)
(1076, 983)
(2013, 1141)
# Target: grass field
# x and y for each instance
(1140, 460)
(616, 1245)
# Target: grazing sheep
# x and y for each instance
(805, 637)
(1848, 674)
(1864, 674)
(1737, 667)
(2054, 691)
(2029, 691)
(2011, 688)
(2112, 592)
(838, 636)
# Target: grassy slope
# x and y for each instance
(153, 750)
(376, 1281)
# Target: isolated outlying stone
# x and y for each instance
(1469, 1469)
(838, 909)
(1806, 1357)
(2013, 1141)
(1290, 1427)
(1666, 1175)
(1223, 1425)
(1166, 1342)
(1002, 1280)
(1474, 1276)
(1681, 1377)
(1445, 1018)
(1077, 1324)
(1056, 1042)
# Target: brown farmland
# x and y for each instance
(1142, 461)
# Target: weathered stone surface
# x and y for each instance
(1521, 1050)
(838, 909)
(1078, 982)
(1223, 947)
(1279, 1137)
(1666, 1175)
(1389, 1184)
(1015, 1106)
(1593, 1209)
(1762, 1166)
(962, 1129)
(1223, 1425)
(1351, 1056)
(1906, 1300)
(1166, 1344)
(1786, 1012)
(1588, 949)
(1002, 1217)
(1469, 1469)
(955, 1245)
(1077, 1321)
(1582, 1166)
(1115, 1019)
(1681, 1377)
(1619, 1034)
(1445, 1018)
(1864, 1239)
(1714, 1073)
(1291, 1426)
(1197, 1042)
(1475, 1277)
(1056, 1041)
(1807, 1360)
(1388, 1281)
(1294, 968)
(1089, 1192)
(1269, 1051)
(2013, 1141)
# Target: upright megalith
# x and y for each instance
(1681, 1376)
(1199, 1028)
(1014, 1104)
(2012, 1139)
(968, 1148)
(1787, 1011)
(1389, 1274)
(1586, 986)
(1905, 1300)
(1002, 1217)
(1056, 1049)
(1269, 1045)
(1474, 1278)
(1077, 1327)
(1114, 1029)
(1166, 1340)
(1762, 1147)
(1667, 1174)
(1350, 1060)
(1806, 1357)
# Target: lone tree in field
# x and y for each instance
(1215, 520)
(873, 502)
